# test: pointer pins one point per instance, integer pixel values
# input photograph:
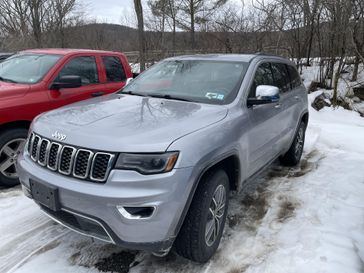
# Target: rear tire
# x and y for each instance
(11, 145)
(202, 229)
(293, 156)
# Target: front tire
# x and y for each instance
(293, 156)
(202, 229)
(11, 145)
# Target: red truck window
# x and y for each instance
(114, 69)
(85, 67)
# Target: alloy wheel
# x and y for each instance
(299, 142)
(8, 156)
(215, 215)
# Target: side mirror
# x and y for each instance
(67, 82)
(128, 80)
(265, 94)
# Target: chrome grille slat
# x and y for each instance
(100, 166)
(82, 163)
(68, 160)
(53, 156)
(35, 148)
(30, 143)
(43, 152)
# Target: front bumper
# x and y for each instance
(97, 203)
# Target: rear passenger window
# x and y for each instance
(295, 77)
(114, 69)
(263, 76)
(85, 67)
(281, 77)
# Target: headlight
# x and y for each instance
(147, 163)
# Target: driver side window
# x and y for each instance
(263, 76)
(85, 67)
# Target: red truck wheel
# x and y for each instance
(11, 145)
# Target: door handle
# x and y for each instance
(278, 106)
(97, 94)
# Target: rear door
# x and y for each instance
(285, 125)
(264, 131)
(88, 69)
(298, 94)
(115, 74)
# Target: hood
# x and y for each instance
(125, 123)
(12, 90)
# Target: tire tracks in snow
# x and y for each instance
(27, 233)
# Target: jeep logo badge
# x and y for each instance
(59, 136)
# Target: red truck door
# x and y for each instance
(115, 73)
(88, 68)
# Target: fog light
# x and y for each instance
(136, 212)
(26, 192)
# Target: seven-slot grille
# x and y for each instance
(68, 160)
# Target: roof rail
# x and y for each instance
(266, 54)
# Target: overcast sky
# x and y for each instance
(110, 11)
(113, 11)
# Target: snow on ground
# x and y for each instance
(304, 219)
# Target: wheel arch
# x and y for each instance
(304, 118)
(231, 165)
(229, 162)
(24, 124)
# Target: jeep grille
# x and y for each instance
(68, 160)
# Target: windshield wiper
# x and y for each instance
(162, 96)
(6, 80)
(170, 97)
(134, 93)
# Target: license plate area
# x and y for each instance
(46, 195)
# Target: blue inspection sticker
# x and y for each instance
(220, 96)
(215, 96)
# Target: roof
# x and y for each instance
(225, 57)
(216, 57)
(65, 51)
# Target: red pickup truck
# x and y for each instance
(35, 81)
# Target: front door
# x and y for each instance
(87, 68)
(264, 119)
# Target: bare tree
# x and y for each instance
(14, 18)
(26, 19)
(142, 50)
(195, 12)
(338, 12)
(311, 11)
(166, 11)
(233, 26)
(357, 34)
(61, 9)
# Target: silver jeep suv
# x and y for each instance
(151, 167)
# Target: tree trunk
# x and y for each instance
(336, 82)
(356, 69)
(139, 13)
(192, 33)
(174, 35)
(163, 46)
(35, 10)
(310, 41)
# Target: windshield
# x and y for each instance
(214, 82)
(27, 68)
